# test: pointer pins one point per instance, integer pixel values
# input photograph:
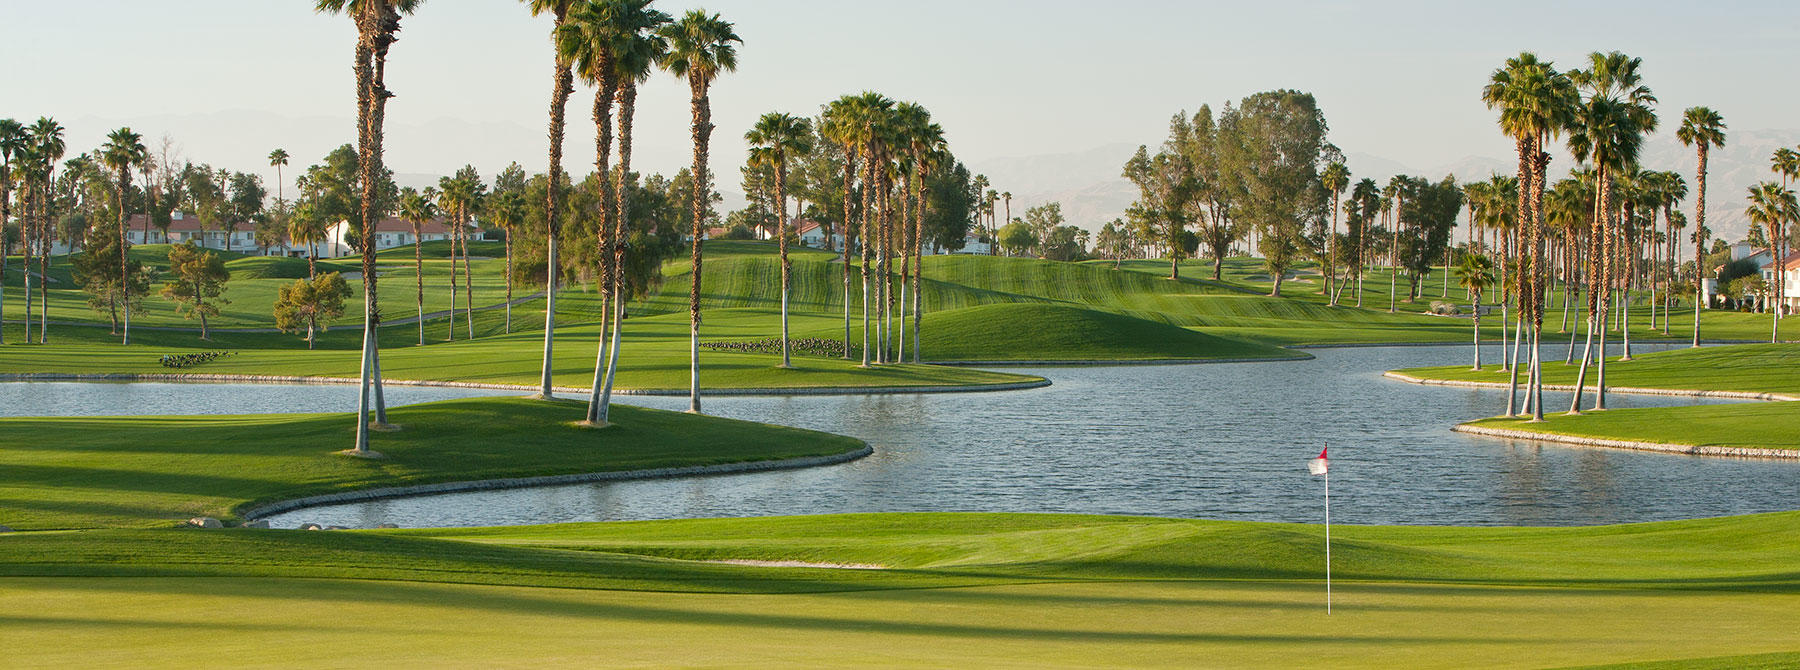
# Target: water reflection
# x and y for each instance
(1212, 441)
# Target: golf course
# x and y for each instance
(1133, 338)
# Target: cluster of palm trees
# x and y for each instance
(456, 199)
(28, 156)
(889, 149)
(1773, 208)
(1605, 212)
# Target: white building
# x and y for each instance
(391, 232)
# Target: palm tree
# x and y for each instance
(1535, 102)
(1395, 191)
(506, 212)
(781, 136)
(1785, 162)
(1335, 178)
(700, 48)
(1703, 129)
(1773, 206)
(279, 159)
(416, 208)
(636, 54)
(377, 23)
(839, 126)
(562, 86)
(926, 143)
(992, 244)
(1609, 128)
(1475, 274)
(12, 142)
(123, 149)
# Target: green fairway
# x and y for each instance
(1773, 425)
(1762, 368)
(82, 473)
(1031, 591)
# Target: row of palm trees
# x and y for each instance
(28, 156)
(1604, 109)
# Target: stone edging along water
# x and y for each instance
(297, 379)
(550, 480)
(1695, 450)
(1665, 447)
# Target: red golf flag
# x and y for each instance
(1320, 465)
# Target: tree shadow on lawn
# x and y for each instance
(601, 607)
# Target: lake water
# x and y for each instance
(1223, 441)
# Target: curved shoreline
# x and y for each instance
(1697, 393)
(1634, 445)
(364, 495)
(200, 378)
(1141, 361)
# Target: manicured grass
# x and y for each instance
(1032, 591)
(255, 281)
(1033, 331)
(1765, 368)
(1773, 425)
(158, 471)
(654, 356)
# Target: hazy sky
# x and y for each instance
(1396, 79)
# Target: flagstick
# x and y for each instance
(1328, 541)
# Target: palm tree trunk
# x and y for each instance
(849, 169)
(621, 201)
(781, 225)
(867, 235)
(419, 277)
(562, 86)
(124, 277)
(509, 286)
(1605, 266)
(468, 276)
(1699, 244)
(28, 231)
(918, 250)
(702, 132)
(450, 336)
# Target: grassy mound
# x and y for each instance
(1036, 331)
(269, 267)
(158, 471)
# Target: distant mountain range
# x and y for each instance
(1092, 192)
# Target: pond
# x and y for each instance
(1222, 441)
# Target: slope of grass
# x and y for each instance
(1033, 331)
(157, 471)
(1032, 591)
(654, 355)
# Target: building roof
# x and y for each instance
(804, 226)
(179, 222)
(1791, 262)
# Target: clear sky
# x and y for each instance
(1396, 79)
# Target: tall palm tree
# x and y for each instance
(1785, 162)
(1773, 206)
(123, 150)
(47, 136)
(700, 48)
(926, 142)
(586, 41)
(416, 208)
(781, 136)
(1475, 274)
(840, 126)
(12, 143)
(279, 159)
(1703, 129)
(506, 212)
(1609, 128)
(637, 52)
(1535, 102)
(561, 87)
(1395, 191)
(1335, 178)
(992, 243)
(377, 25)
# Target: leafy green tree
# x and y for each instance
(1043, 221)
(1165, 184)
(1271, 147)
(1017, 238)
(197, 280)
(304, 303)
(700, 48)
